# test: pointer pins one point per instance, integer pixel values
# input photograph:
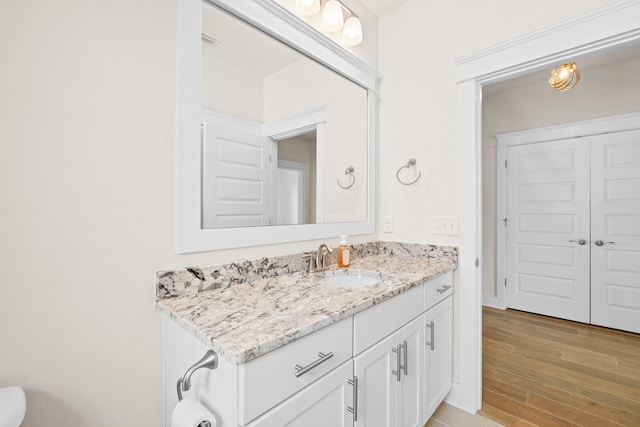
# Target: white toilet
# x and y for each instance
(13, 406)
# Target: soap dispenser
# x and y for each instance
(344, 253)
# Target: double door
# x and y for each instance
(573, 231)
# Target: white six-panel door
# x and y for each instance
(548, 228)
(573, 236)
(615, 230)
(236, 173)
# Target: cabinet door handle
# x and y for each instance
(354, 409)
(301, 370)
(431, 328)
(443, 289)
(397, 372)
(404, 347)
(602, 242)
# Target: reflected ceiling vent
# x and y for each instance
(210, 40)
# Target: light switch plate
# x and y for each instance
(445, 225)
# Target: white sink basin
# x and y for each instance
(349, 278)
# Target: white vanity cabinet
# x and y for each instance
(390, 379)
(390, 370)
(382, 369)
(322, 404)
(438, 343)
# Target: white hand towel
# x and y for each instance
(191, 413)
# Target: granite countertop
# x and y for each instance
(246, 320)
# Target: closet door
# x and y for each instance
(615, 232)
(548, 228)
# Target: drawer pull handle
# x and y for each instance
(354, 409)
(431, 327)
(443, 289)
(398, 372)
(301, 370)
(403, 346)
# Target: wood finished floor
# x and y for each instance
(541, 371)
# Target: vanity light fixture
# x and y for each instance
(307, 7)
(565, 77)
(352, 31)
(333, 18)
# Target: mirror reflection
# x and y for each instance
(278, 131)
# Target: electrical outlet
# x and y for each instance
(388, 224)
(446, 225)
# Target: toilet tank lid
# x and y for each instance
(14, 404)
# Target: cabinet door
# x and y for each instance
(323, 403)
(377, 384)
(410, 344)
(438, 355)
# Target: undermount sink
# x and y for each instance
(348, 278)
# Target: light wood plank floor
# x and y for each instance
(541, 371)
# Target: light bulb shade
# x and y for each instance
(307, 7)
(352, 31)
(332, 17)
(565, 77)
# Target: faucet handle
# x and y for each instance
(311, 257)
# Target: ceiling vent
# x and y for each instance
(210, 40)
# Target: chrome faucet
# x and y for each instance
(322, 255)
(321, 260)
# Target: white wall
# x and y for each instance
(418, 42)
(229, 90)
(418, 107)
(305, 85)
(87, 182)
(87, 189)
(602, 92)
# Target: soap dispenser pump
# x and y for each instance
(344, 253)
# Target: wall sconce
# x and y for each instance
(333, 13)
(565, 77)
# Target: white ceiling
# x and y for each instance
(242, 46)
(380, 7)
(585, 64)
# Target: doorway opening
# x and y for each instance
(296, 179)
(577, 37)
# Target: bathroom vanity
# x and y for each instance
(296, 350)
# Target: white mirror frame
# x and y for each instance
(274, 20)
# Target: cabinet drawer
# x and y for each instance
(375, 323)
(270, 379)
(437, 289)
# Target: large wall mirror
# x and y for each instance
(275, 138)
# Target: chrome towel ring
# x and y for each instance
(348, 171)
(411, 162)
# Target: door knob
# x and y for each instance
(580, 241)
(600, 242)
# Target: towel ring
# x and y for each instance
(209, 360)
(410, 163)
(348, 171)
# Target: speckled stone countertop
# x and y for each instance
(245, 320)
